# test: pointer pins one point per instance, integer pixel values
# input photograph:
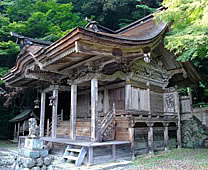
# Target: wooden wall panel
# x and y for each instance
(117, 96)
(156, 102)
(122, 125)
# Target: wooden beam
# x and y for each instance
(94, 111)
(73, 113)
(128, 96)
(176, 71)
(42, 113)
(54, 112)
(59, 87)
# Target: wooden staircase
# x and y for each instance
(76, 155)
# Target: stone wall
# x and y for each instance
(193, 133)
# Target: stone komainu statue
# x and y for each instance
(33, 128)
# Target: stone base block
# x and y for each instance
(33, 153)
(33, 143)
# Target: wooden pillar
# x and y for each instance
(18, 130)
(94, 111)
(131, 138)
(148, 101)
(90, 156)
(150, 138)
(54, 112)
(106, 101)
(73, 113)
(42, 113)
(128, 96)
(48, 127)
(166, 138)
(23, 128)
(15, 130)
(177, 110)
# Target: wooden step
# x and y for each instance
(70, 158)
(74, 150)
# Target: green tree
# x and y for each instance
(189, 28)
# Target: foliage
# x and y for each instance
(188, 35)
(3, 71)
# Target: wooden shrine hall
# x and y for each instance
(116, 91)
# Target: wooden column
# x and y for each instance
(150, 138)
(94, 111)
(177, 110)
(73, 113)
(15, 130)
(166, 138)
(90, 156)
(23, 129)
(106, 101)
(48, 127)
(54, 112)
(18, 130)
(128, 96)
(42, 113)
(131, 138)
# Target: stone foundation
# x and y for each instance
(33, 156)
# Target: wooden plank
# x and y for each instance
(94, 111)
(73, 113)
(81, 156)
(42, 113)
(54, 112)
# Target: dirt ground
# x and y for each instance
(177, 159)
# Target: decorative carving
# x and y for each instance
(33, 128)
(154, 72)
(169, 102)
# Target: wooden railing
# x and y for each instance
(49, 124)
(107, 120)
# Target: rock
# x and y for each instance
(50, 167)
(36, 168)
(29, 162)
(43, 167)
(48, 160)
(39, 162)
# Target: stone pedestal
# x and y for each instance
(33, 156)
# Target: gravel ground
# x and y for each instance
(177, 159)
